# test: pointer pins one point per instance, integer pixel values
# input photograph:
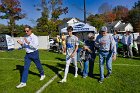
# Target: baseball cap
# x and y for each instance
(103, 28)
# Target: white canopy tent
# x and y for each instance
(80, 27)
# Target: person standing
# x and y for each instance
(59, 43)
(124, 42)
(127, 41)
(30, 43)
(138, 43)
(71, 52)
(63, 44)
(89, 56)
(116, 38)
(107, 52)
(79, 51)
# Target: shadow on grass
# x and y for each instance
(61, 59)
(71, 68)
(135, 57)
(59, 67)
(138, 58)
(96, 76)
(21, 68)
(54, 51)
(54, 69)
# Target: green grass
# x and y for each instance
(124, 79)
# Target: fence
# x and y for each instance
(43, 42)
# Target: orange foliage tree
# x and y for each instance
(11, 10)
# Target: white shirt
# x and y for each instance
(127, 39)
(138, 39)
(116, 37)
(33, 46)
(124, 39)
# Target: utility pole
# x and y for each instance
(84, 11)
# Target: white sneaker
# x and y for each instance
(76, 75)
(63, 80)
(21, 85)
(42, 77)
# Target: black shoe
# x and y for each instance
(108, 75)
(100, 81)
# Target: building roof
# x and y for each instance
(67, 21)
(121, 26)
(72, 21)
(112, 24)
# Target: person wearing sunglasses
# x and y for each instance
(30, 44)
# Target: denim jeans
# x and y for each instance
(89, 66)
(117, 47)
(27, 61)
(130, 53)
(85, 70)
(78, 54)
(105, 56)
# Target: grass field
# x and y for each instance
(124, 79)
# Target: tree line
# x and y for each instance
(49, 22)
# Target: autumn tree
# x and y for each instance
(105, 11)
(120, 11)
(134, 16)
(3, 29)
(11, 10)
(137, 5)
(54, 9)
(48, 27)
(96, 20)
(109, 17)
(45, 11)
(57, 9)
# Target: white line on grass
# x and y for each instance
(48, 83)
(124, 65)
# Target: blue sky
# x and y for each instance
(75, 9)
